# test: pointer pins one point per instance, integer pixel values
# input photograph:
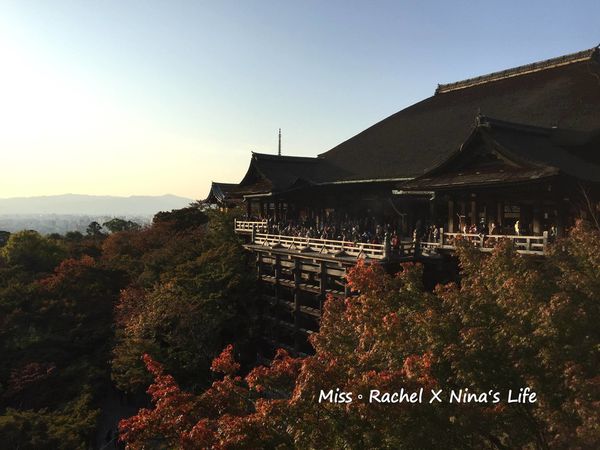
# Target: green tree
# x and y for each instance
(4, 235)
(55, 342)
(67, 428)
(32, 251)
(193, 295)
(115, 225)
(184, 218)
(74, 236)
(94, 229)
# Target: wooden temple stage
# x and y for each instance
(296, 274)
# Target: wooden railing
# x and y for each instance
(323, 246)
(535, 245)
(246, 226)
(258, 231)
(327, 246)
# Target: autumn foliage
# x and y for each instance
(512, 322)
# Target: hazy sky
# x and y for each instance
(150, 97)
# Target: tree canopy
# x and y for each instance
(511, 322)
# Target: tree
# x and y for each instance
(32, 251)
(67, 428)
(182, 219)
(4, 236)
(55, 342)
(74, 236)
(116, 224)
(94, 229)
(512, 322)
(199, 299)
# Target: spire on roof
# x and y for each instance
(279, 147)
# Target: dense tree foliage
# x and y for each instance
(55, 337)
(32, 252)
(94, 229)
(4, 236)
(512, 322)
(191, 292)
(117, 224)
(78, 311)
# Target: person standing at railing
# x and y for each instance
(552, 233)
(481, 229)
(395, 242)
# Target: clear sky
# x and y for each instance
(130, 97)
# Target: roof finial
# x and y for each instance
(279, 147)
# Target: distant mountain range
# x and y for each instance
(102, 205)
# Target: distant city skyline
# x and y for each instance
(148, 98)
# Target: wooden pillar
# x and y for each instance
(322, 285)
(473, 212)
(500, 215)
(297, 280)
(451, 216)
(277, 278)
(259, 265)
(537, 218)
(561, 218)
(249, 208)
(462, 212)
(347, 290)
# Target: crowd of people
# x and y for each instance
(368, 230)
(350, 231)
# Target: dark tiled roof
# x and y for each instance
(533, 153)
(222, 192)
(563, 92)
(281, 173)
(516, 71)
(544, 147)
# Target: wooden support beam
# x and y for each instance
(322, 285)
(277, 277)
(259, 265)
(451, 216)
(297, 282)
(500, 214)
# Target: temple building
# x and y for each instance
(509, 155)
(520, 144)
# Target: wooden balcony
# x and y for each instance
(321, 248)
(315, 248)
(526, 245)
(246, 226)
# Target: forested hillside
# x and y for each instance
(77, 312)
(514, 326)
(164, 320)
